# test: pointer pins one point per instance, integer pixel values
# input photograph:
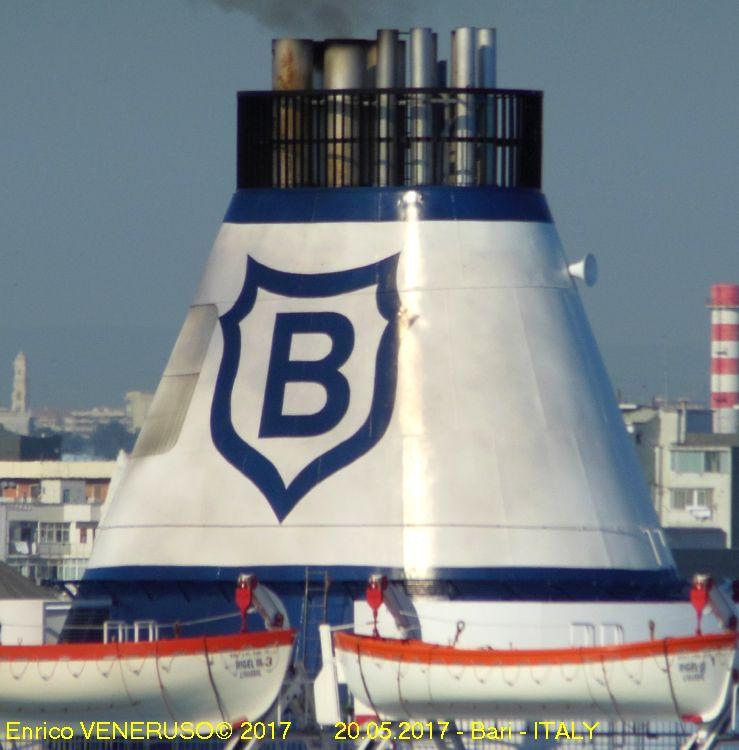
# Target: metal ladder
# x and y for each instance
(315, 602)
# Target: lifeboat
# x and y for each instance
(216, 678)
(686, 678)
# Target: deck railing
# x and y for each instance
(404, 137)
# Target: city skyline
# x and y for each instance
(119, 161)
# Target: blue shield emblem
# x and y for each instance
(293, 408)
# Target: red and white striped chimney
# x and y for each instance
(725, 357)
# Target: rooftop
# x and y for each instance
(15, 586)
(702, 439)
(56, 469)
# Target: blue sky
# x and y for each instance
(117, 160)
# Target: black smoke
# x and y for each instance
(331, 18)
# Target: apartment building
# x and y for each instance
(49, 513)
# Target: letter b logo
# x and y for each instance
(357, 332)
(324, 372)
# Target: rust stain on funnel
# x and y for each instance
(292, 64)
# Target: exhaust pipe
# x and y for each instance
(344, 67)
(463, 77)
(388, 64)
(292, 70)
(486, 79)
(423, 75)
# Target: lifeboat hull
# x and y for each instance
(221, 678)
(684, 678)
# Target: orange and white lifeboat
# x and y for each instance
(688, 678)
(218, 678)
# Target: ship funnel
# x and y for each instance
(387, 368)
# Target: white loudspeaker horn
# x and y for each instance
(585, 269)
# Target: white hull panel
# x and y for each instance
(496, 368)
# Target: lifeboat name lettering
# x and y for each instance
(245, 667)
(693, 671)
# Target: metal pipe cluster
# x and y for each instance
(385, 63)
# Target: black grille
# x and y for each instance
(406, 137)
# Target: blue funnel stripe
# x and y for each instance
(306, 205)
(493, 584)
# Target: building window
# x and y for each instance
(66, 496)
(9, 489)
(699, 462)
(53, 532)
(21, 531)
(72, 569)
(696, 500)
(714, 462)
(87, 532)
(97, 491)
